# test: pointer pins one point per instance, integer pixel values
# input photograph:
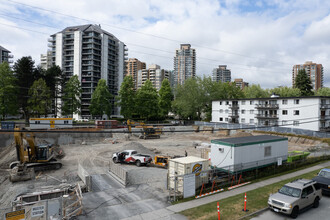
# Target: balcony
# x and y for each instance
(233, 106)
(324, 117)
(325, 106)
(267, 106)
(325, 129)
(51, 39)
(267, 116)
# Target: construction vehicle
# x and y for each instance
(162, 160)
(31, 157)
(148, 131)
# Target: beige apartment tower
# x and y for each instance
(133, 66)
(313, 70)
(184, 64)
(155, 74)
(240, 83)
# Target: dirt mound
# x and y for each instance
(241, 134)
(138, 147)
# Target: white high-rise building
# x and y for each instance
(155, 74)
(92, 54)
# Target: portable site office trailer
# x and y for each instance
(244, 153)
(50, 123)
(186, 165)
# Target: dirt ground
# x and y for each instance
(95, 154)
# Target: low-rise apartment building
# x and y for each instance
(310, 113)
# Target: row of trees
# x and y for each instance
(32, 91)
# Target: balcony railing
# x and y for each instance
(269, 116)
(325, 106)
(233, 106)
(267, 106)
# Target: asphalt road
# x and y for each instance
(322, 212)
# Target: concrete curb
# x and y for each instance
(255, 213)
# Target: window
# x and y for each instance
(220, 103)
(268, 151)
(220, 119)
(66, 122)
(295, 123)
(308, 190)
(227, 102)
(251, 111)
(296, 101)
(226, 119)
(221, 110)
(284, 102)
(37, 122)
(243, 111)
(243, 102)
(296, 112)
(251, 102)
(226, 111)
(243, 120)
(252, 121)
(284, 112)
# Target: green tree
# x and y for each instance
(26, 74)
(39, 102)
(303, 83)
(189, 99)
(71, 98)
(147, 101)
(286, 91)
(165, 98)
(325, 91)
(8, 96)
(101, 100)
(126, 97)
(54, 79)
(255, 91)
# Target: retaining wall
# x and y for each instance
(119, 173)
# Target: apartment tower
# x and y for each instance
(133, 65)
(92, 54)
(184, 64)
(313, 70)
(5, 55)
(240, 83)
(221, 74)
(155, 74)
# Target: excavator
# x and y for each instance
(149, 131)
(31, 157)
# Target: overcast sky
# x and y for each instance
(259, 41)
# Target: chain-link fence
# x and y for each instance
(221, 177)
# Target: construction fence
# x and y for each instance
(297, 131)
(221, 178)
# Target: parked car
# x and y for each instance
(131, 156)
(323, 179)
(295, 196)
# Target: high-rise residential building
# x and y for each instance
(221, 74)
(133, 65)
(155, 74)
(46, 60)
(313, 70)
(240, 83)
(92, 54)
(184, 64)
(5, 55)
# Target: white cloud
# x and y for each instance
(273, 36)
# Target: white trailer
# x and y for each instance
(244, 153)
(50, 123)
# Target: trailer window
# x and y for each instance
(268, 151)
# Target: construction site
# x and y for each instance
(92, 183)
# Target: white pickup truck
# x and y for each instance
(131, 156)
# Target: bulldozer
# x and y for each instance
(31, 157)
(148, 131)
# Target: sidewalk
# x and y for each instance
(168, 213)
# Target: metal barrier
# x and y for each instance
(118, 172)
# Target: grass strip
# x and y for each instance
(231, 208)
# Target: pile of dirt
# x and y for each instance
(241, 134)
(138, 147)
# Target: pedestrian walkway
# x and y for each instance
(168, 213)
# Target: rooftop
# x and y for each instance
(189, 159)
(269, 98)
(249, 140)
